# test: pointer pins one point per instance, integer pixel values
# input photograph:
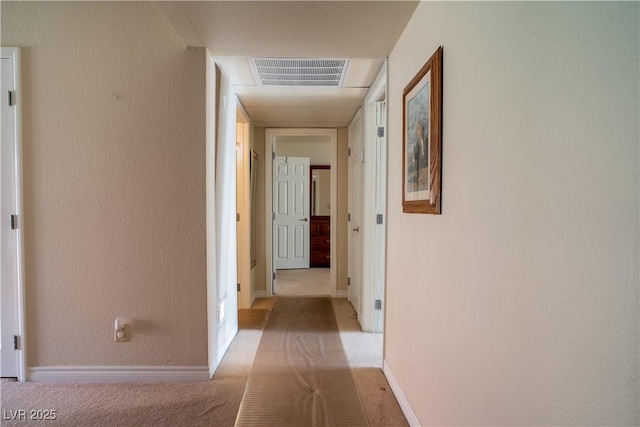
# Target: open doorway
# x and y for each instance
(296, 243)
(244, 207)
(308, 273)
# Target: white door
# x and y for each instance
(8, 236)
(356, 191)
(224, 320)
(291, 207)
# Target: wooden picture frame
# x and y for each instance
(422, 139)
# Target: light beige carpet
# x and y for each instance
(252, 318)
(303, 282)
(213, 403)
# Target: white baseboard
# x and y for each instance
(118, 374)
(258, 294)
(342, 294)
(411, 417)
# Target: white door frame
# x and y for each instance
(243, 202)
(13, 54)
(269, 146)
(374, 257)
(356, 212)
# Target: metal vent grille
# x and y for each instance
(299, 71)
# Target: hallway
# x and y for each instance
(517, 304)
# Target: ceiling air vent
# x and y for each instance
(299, 71)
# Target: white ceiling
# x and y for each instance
(364, 32)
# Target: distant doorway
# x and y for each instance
(296, 140)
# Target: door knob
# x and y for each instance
(304, 219)
(357, 229)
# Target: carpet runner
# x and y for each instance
(300, 375)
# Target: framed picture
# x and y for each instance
(422, 139)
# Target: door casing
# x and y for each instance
(271, 135)
(356, 211)
(13, 55)
(375, 178)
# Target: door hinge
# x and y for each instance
(349, 154)
(11, 98)
(238, 287)
(14, 222)
(379, 219)
(273, 155)
(348, 281)
(348, 217)
(15, 342)
(274, 275)
(378, 304)
(237, 217)
(380, 132)
(273, 216)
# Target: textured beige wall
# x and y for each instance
(343, 207)
(319, 153)
(519, 304)
(114, 173)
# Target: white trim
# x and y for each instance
(258, 294)
(356, 216)
(374, 253)
(270, 133)
(211, 213)
(245, 115)
(13, 53)
(119, 374)
(411, 417)
(342, 294)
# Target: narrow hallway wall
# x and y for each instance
(519, 304)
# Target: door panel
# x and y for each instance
(281, 194)
(298, 242)
(282, 238)
(291, 223)
(299, 193)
